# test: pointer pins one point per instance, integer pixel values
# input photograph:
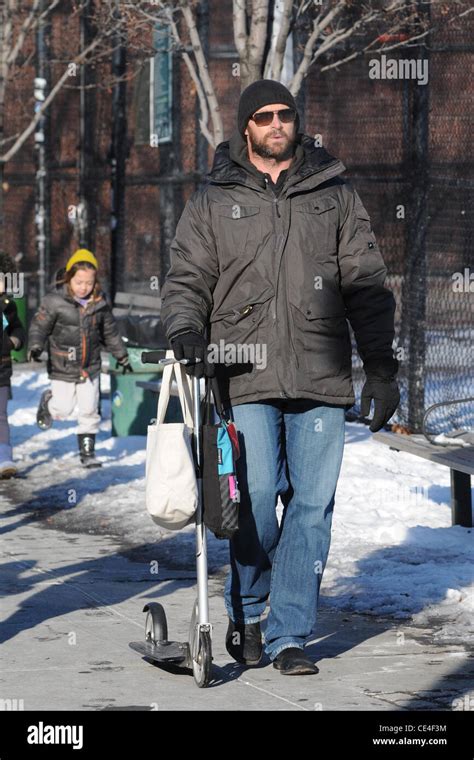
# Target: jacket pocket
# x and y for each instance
(318, 220)
(364, 230)
(241, 310)
(322, 340)
(244, 331)
(318, 296)
(63, 360)
(236, 225)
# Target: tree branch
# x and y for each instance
(207, 85)
(277, 55)
(318, 27)
(49, 99)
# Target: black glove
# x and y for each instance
(124, 362)
(382, 387)
(34, 354)
(192, 345)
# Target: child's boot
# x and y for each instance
(43, 416)
(8, 468)
(86, 443)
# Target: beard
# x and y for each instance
(280, 151)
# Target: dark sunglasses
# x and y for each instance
(265, 118)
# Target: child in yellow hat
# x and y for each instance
(74, 320)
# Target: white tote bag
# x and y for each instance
(171, 490)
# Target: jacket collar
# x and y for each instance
(97, 303)
(232, 165)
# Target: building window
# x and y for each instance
(161, 90)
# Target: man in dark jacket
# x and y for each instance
(276, 252)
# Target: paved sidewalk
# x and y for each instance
(72, 602)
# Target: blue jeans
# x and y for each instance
(5, 445)
(292, 448)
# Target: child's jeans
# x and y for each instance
(86, 395)
(5, 447)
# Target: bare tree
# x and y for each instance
(337, 32)
(337, 27)
(13, 35)
(11, 44)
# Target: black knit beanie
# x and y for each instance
(263, 92)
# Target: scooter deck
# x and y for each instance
(164, 651)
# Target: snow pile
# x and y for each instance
(394, 551)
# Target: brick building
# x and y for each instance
(405, 145)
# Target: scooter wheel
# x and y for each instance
(202, 665)
(156, 626)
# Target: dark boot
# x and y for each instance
(244, 642)
(292, 661)
(86, 443)
(43, 417)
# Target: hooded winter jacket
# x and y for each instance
(12, 329)
(75, 335)
(282, 274)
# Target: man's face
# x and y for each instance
(275, 141)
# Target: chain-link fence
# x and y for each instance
(408, 149)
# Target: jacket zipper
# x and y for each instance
(290, 316)
(84, 372)
(278, 273)
(288, 307)
(276, 212)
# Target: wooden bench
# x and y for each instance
(460, 460)
(135, 303)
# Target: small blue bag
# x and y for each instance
(220, 451)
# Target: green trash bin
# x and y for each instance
(133, 407)
(20, 303)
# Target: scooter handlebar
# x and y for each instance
(155, 357)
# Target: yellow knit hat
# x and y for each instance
(82, 254)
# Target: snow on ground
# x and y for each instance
(394, 552)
